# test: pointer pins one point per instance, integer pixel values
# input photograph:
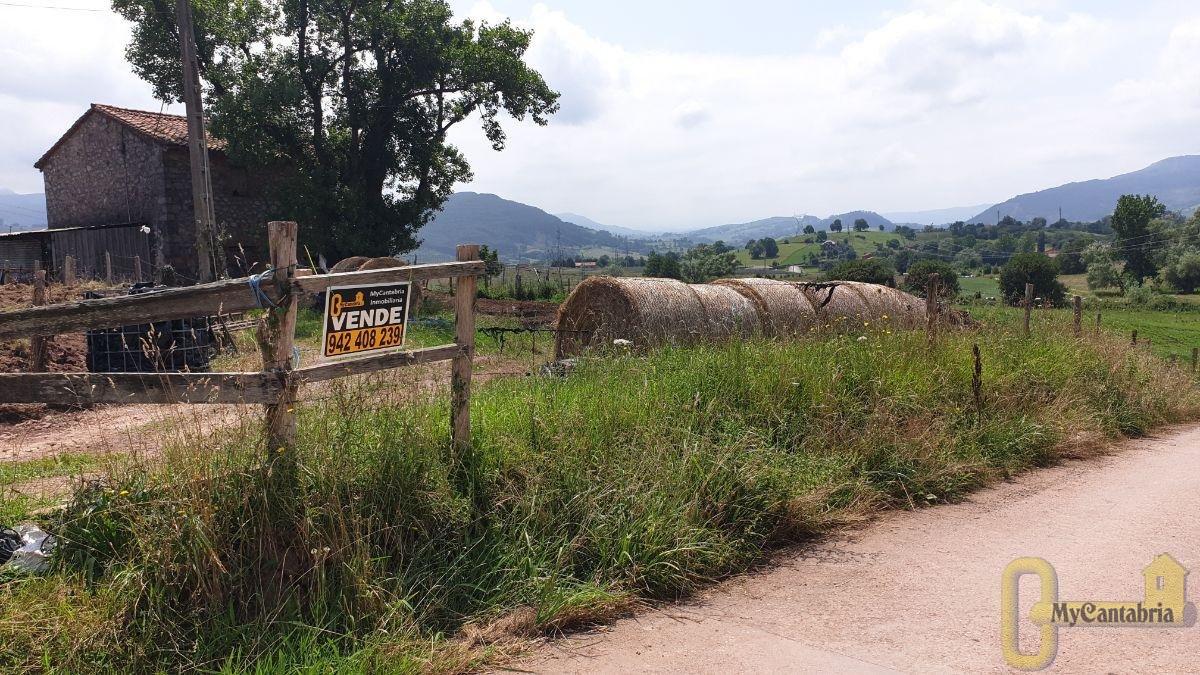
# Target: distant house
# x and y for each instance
(585, 263)
(120, 169)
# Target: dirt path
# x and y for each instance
(920, 591)
(140, 428)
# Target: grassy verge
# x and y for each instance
(633, 478)
(1170, 333)
(19, 496)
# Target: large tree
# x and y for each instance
(346, 103)
(1136, 243)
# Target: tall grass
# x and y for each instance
(633, 478)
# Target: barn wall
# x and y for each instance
(103, 173)
(241, 207)
(89, 246)
(21, 253)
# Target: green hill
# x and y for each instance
(794, 250)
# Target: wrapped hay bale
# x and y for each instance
(902, 310)
(783, 309)
(727, 312)
(647, 312)
(839, 306)
(655, 312)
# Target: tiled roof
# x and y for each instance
(158, 127)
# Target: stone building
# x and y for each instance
(116, 165)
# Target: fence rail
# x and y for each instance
(277, 384)
(218, 297)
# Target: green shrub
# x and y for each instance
(871, 271)
(916, 281)
(1036, 269)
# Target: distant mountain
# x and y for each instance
(22, 212)
(1175, 181)
(737, 234)
(584, 221)
(782, 226)
(936, 216)
(518, 231)
(873, 219)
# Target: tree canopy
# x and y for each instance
(916, 280)
(1135, 242)
(346, 106)
(871, 271)
(1036, 269)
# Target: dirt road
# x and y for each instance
(920, 591)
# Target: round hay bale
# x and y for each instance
(348, 264)
(902, 310)
(361, 263)
(647, 312)
(382, 263)
(782, 307)
(839, 306)
(727, 312)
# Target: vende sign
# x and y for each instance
(365, 318)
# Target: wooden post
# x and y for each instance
(108, 278)
(1078, 316)
(931, 307)
(1028, 305)
(69, 270)
(1195, 357)
(1133, 340)
(276, 332)
(137, 269)
(1097, 323)
(460, 368)
(977, 379)
(38, 344)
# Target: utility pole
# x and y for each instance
(197, 143)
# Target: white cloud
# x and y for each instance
(933, 104)
(56, 63)
(948, 102)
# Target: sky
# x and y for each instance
(679, 115)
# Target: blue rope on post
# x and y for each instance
(260, 298)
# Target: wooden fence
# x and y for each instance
(276, 385)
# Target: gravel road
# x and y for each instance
(920, 591)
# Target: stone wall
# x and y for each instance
(241, 210)
(104, 173)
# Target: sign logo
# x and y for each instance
(365, 318)
(1164, 605)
